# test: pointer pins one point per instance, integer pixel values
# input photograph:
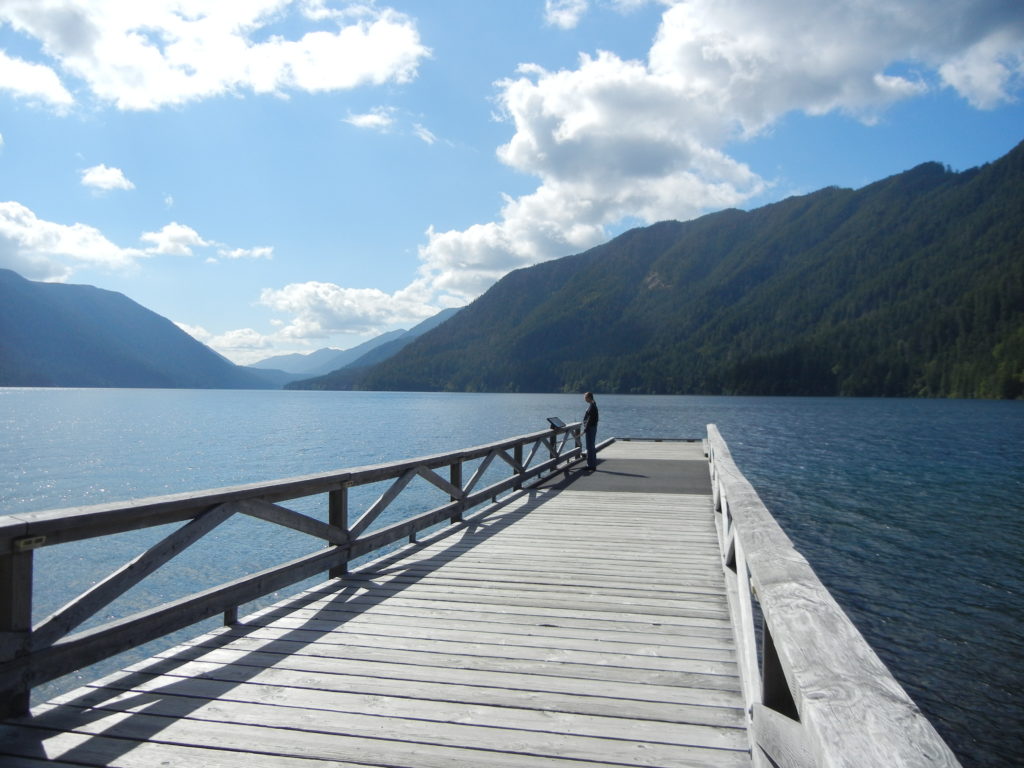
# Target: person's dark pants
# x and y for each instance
(591, 436)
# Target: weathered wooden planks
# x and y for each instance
(578, 629)
(31, 655)
(657, 450)
(579, 624)
(847, 708)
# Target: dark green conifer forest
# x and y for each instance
(910, 287)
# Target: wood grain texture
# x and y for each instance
(29, 656)
(558, 628)
(76, 523)
(561, 629)
(852, 710)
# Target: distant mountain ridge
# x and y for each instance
(327, 359)
(911, 286)
(331, 361)
(54, 334)
(297, 362)
(394, 346)
(353, 370)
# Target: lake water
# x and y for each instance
(910, 511)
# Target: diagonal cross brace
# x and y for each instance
(503, 455)
(533, 452)
(565, 439)
(435, 479)
(382, 503)
(480, 471)
(396, 488)
(62, 621)
(289, 518)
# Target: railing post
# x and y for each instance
(15, 627)
(565, 442)
(747, 651)
(775, 691)
(716, 489)
(455, 477)
(517, 457)
(337, 515)
(725, 545)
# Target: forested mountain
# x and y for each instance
(326, 360)
(52, 334)
(912, 286)
(297, 362)
(378, 352)
(394, 346)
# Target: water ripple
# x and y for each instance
(910, 511)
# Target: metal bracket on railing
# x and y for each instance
(29, 542)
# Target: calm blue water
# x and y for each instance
(911, 511)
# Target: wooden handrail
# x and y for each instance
(31, 655)
(821, 697)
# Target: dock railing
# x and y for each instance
(817, 695)
(32, 654)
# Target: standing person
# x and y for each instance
(590, 430)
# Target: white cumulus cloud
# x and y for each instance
(564, 13)
(378, 119)
(988, 72)
(103, 178)
(567, 14)
(424, 134)
(319, 309)
(45, 250)
(177, 239)
(146, 55)
(615, 140)
(260, 252)
(242, 345)
(174, 239)
(34, 82)
(385, 120)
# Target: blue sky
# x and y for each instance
(283, 175)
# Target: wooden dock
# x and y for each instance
(575, 619)
(528, 639)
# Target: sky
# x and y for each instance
(278, 176)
